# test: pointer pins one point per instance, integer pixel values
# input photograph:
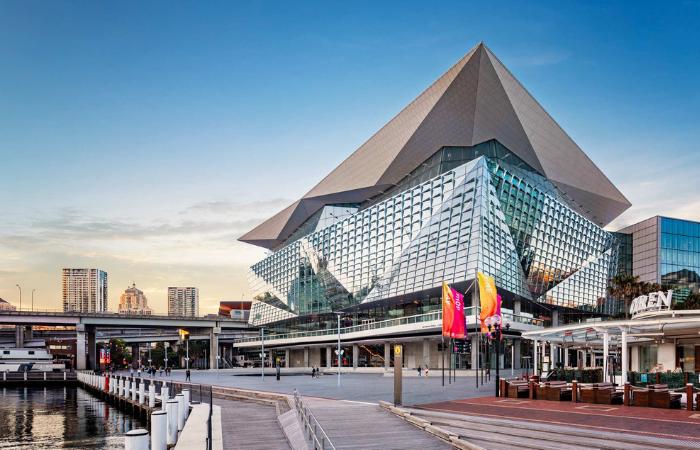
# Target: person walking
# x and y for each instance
(187, 375)
(420, 371)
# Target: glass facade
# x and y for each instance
(680, 256)
(467, 209)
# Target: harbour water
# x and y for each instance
(60, 417)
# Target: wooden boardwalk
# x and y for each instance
(250, 426)
(353, 425)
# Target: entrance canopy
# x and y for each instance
(644, 328)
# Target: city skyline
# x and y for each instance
(228, 129)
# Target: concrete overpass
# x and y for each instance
(86, 325)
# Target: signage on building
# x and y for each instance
(654, 301)
(105, 357)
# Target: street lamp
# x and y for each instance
(262, 352)
(495, 332)
(339, 352)
(20, 296)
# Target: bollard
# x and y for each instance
(164, 396)
(181, 413)
(44, 376)
(159, 430)
(627, 395)
(134, 390)
(64, 376)
(152, 395)
(689, 396)
(502, 388)
(136, 440)
(186, 393)
(531, 394)
(171, 410)
(574, 391)
(107, 383)
(142, 393)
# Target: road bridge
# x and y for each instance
(87, 324)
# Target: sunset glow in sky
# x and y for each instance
(143, 139)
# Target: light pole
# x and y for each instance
(33, 290)
(339, 354)
(20, 296)
(495, 324)
(262, 353)
(218, 357)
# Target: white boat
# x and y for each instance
(28, 359)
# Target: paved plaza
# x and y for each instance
(364, 387)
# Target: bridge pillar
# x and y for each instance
(286, 357)
(19, 336)
(387, 356)
(80, 362)
(213, 346)
(355, 355)
(306, 356)
(135, 356)
(92, 363)
(329, 357)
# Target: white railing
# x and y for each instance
(312, 429)
(418, 318)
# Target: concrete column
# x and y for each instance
(80, 360)
(329, 357)
(92, 363)
(387, 356)
(135, 356)
(606, 343)
(355, 355)
(555, 318)
(516, 307)
(214, 346)
(306, 356)
(426, 353)
(543, 349)
(554, 355)
(516, 353)
(475, 351)
(535, 365)
(286, 357)
(566, 356)
(19, 336)
(625, 356)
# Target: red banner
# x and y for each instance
(453, 320)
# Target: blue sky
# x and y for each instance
(144, 137)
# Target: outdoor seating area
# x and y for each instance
(650, 396)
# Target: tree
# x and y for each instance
(692, 301)
(625, 288)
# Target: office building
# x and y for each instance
(6, 306)
(472, 176)
(183, 301)
(664, 251)
(84, 290)
(133, 302)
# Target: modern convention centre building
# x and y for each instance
(471, 176)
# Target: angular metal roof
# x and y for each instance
(476, 100)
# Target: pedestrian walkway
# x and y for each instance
(354, 425)
(493, 422)
(250, 426)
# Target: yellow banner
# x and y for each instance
(487, 298)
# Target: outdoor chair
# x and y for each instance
(641, 397)
(662, 398)
(517, 388)
(608, 396)
(558, 393)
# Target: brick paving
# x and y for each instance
(667, 423)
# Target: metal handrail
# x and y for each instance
(320, 441)
(418, 318)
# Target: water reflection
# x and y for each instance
(60, 417)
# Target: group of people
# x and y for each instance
(315, 372)
(151, 371)
(420, 370)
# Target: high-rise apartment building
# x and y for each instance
(183, 301)
(84, 290)
(133, 302)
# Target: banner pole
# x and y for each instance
(443, 360)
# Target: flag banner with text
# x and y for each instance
(453, 319)
(488, 299)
